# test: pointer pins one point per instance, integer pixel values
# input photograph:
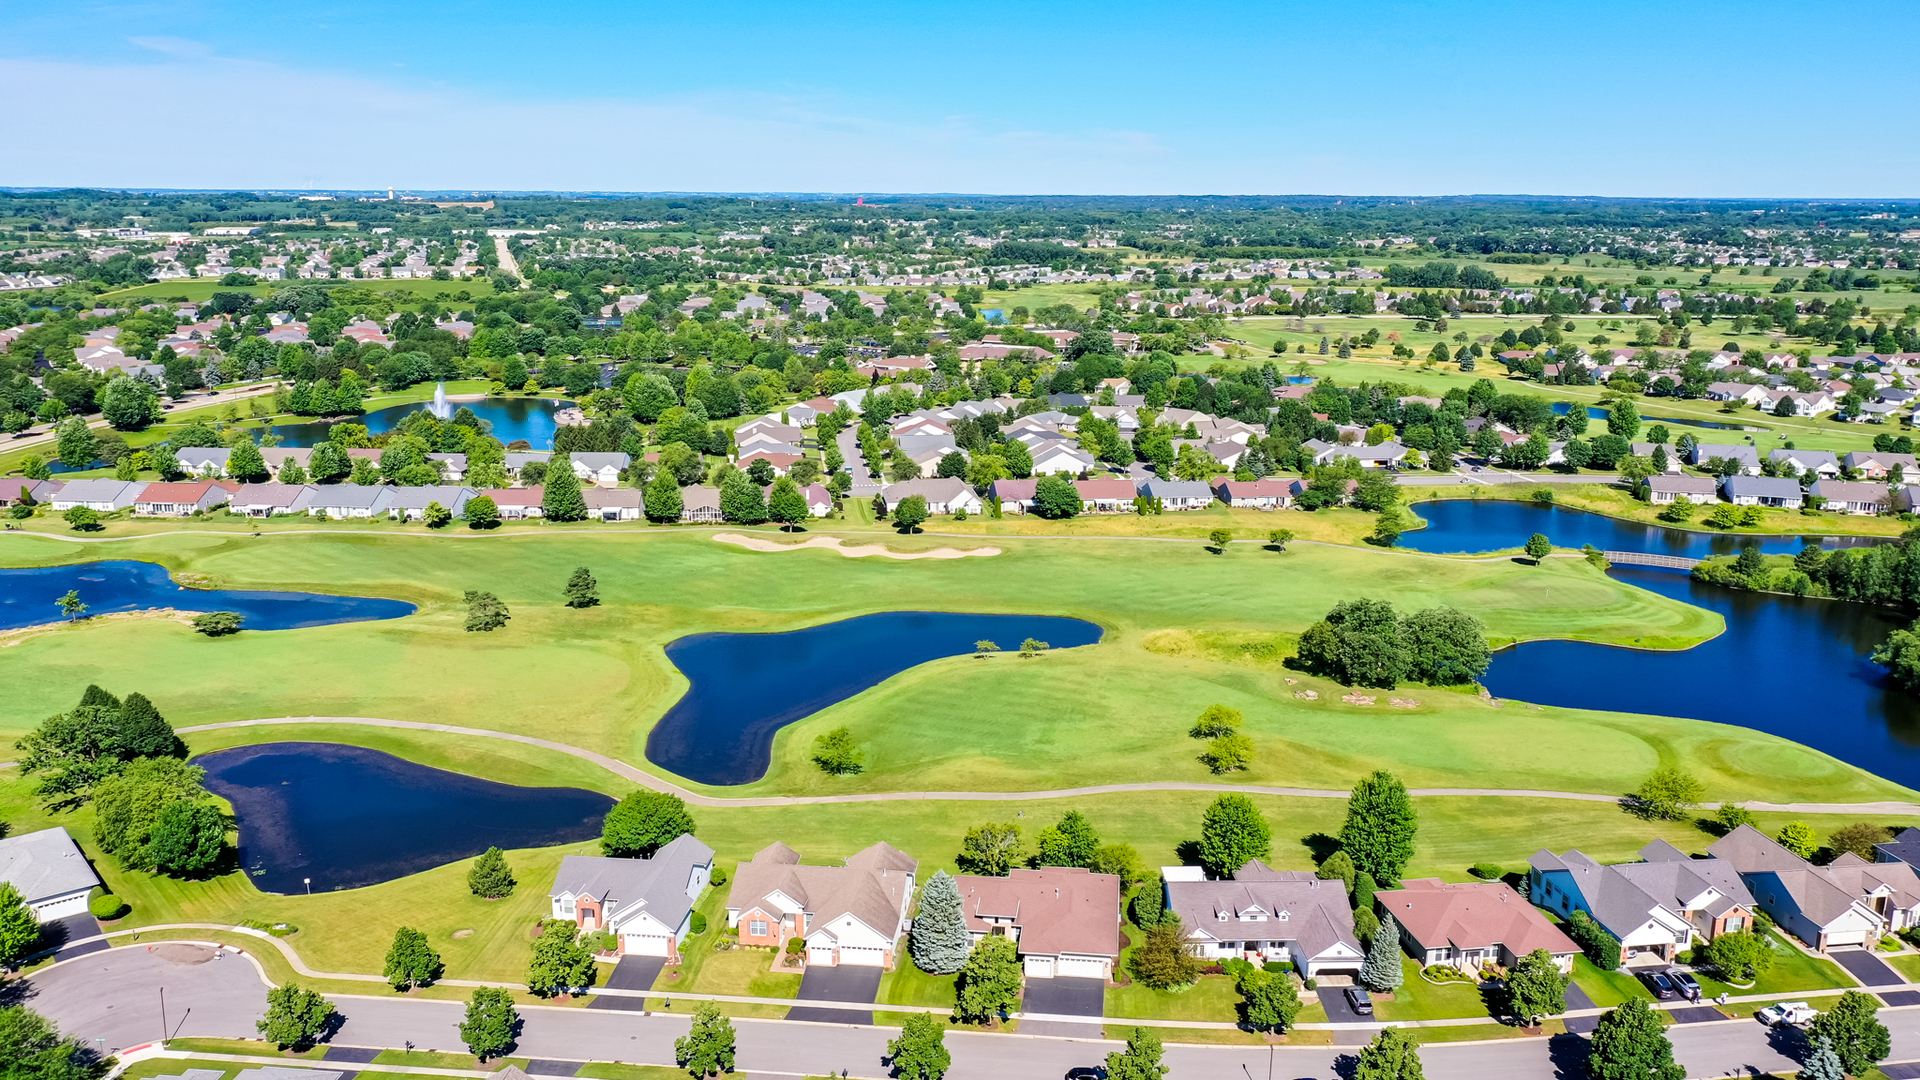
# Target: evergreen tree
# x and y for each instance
(490, 875)
(1393, 1055)
(708, 1049)
(1070, 843)
(144, 732)
(1382, 970)
(1822, 1063)
(491, 1022)
(1380, 826)
(1140, 1060)
(1630, 1044)
(485, 612)
(1857, 1036)
(562, 500)
(940, 940)
(582, 590)
(1232, 833)
(920, 1053)
(663, 500)
(295, 1017)
(411, 961)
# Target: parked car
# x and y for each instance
(1786, 1014)
(1684, 982)
(1659, 985)
(1359, 1001)
(1087, 1073)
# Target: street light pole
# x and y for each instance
(163, 1018)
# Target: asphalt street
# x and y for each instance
(114, 996)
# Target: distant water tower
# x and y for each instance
(389, 194)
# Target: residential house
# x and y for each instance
(1468, 924)
(1016, 496)
(819, 500)
(615, 504)
(1265, 914)
(1849, 901)
(700, 503)
(597, 468)
(266, 500)
(1852, 497)
(1904, 847)
(1259, 494)
(1646, 449)
(944, 494)
(1060, 457)
(1803, 404)
(1106, 496)
(647, 903)
(1662, 490)
(410, 503)
(1776, 491)
(1658, 905)
(1822, 463)
(516, 504)
(1746, 456)
(1178, 494)
(179, 500)
(1226, 455)
(850, 914)
(453, 466)
(20, 490)
(1745, 393)
(780, 463)
(1386, 454)
(203, 460)
(1063, 921)
(349, 500)
(518, 459)
(1875, 465)
(279, 457)
(48, 869)
(767, 429)
(105, 496)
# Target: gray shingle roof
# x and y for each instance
(45, 864)
(1316, 914)
(658, 885)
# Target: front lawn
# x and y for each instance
(1418, 999)
(1212, 998)
(1907, 964)
(445, 1059)
(908, 985)
(1607, 988)
(1793, 972)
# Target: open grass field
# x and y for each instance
(599, 679)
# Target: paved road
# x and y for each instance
(502, 246)
(646, 779)
(31, 437)
(115, 996)
(864, 485)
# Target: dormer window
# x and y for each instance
(1282, 916)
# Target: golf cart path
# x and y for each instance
(649, 780)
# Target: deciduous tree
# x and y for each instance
(1381, 825)
(642, 823)
(296, 1018)
(1072, 842)
(920, 1053)
(1855, 1032)
(561, 964)
(911, 513)
(491, 1022)
(989, 849)
(1666, 793)
(1630, 1044)
(1140, 1060)
(1535, 988)
(411, 961)
(707, 1049)
(837, 753)
(19, 927)
(1232, 833)
(990, 981)
(32, 1048)
(1392, 1055)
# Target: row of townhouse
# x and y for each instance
(601, 469)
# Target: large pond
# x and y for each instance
(324, 816)
(29, 597)
(1795, 667)
(745, 687)
(1594, 412)
(513, 419)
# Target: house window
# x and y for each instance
(1735, 924)
(566, 907)
(758, 928)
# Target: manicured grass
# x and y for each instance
(255, 1047)
(1471, 1032)
(1793, 971)
(704, 969)
(1907, 965)
(167, 1066)
(1212, 998)
(1606, 988)
(444, 1059)
(1418, 999)
(908, 985)
(606, 1070)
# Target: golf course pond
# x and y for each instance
(30, 597)
(509, 419)
(745, 687)
(322, 816)
(1796, 667)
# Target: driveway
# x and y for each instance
(631, 973)
(1868, 968)
(1577, 1000)
(74, 928)
(1334, 998)
(846, 982)
(1060, 996)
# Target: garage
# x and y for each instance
(1847, 937)
(1081, 967)
(821, 954)
(61, 907)
(859, 956)
(1039, 967)
(646, 944)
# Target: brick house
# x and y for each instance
(646, 903)
(850, 914)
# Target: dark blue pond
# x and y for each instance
(745, 687)
(512, 418)
(1594, 412)
(346, 816)
(1467, 525)
(29, 597)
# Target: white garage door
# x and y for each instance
(820, 954)
(1850, 937)
(1039, 967)
(62, 907)
(863, 957)
(1081, 968)
(646, 944)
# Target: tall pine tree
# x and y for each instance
(562, 500)
(1382, 971)
(940, 941)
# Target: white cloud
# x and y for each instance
(173, 46)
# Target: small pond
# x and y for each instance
(28, 597)
(512, 419)
(346, 816)
(1795, 667)
(1466, 525)
(745, 687)
(1594, 412)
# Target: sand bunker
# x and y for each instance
(861, 551)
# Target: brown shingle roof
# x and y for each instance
(1472, 915)
(1058, 909)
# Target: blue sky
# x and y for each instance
(1760, 98)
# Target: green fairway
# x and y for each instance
(599, 679)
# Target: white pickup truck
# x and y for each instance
(1787, 1014)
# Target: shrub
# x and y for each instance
(719, 876)
(796, 946)
(1600, 947)
(698, 924)
(1486, 871)
(105, 906)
